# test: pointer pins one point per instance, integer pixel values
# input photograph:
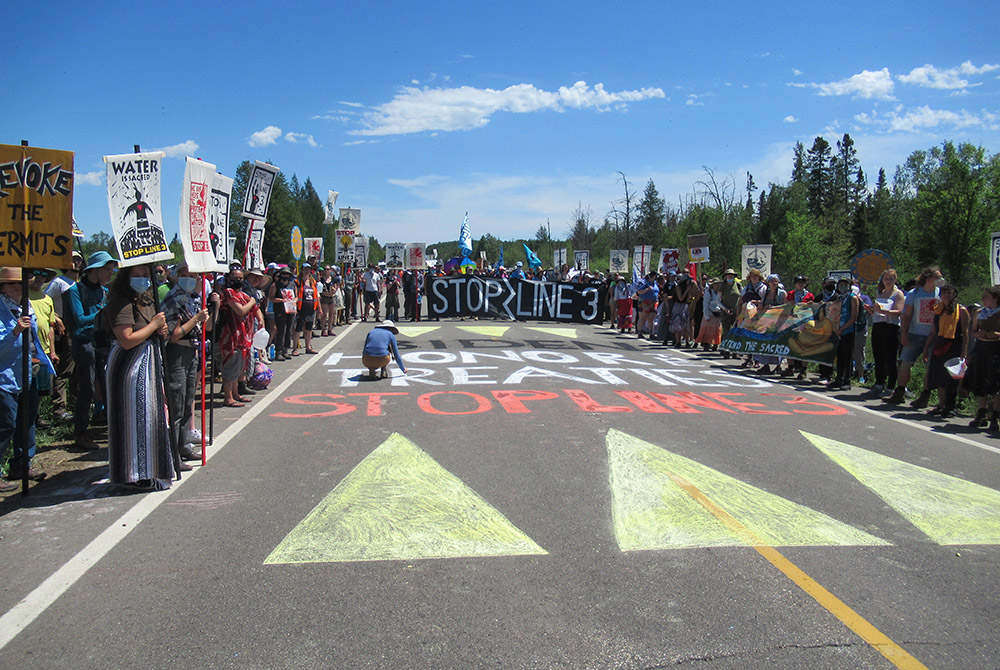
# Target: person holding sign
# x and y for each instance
(138, 434)
(13, 324)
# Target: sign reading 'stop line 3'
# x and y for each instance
(515, 299)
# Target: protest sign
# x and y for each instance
(415, 256)
(345, 246)
(36, 207)
(77, 232)
(360, 251)
(698, 248)
(995, 259)
(868, 265)
(298, 246)
(756, 257)
(314, 248)
(581, 259)
(559, 257)
(331, 209)
(255, 242)
(350, 220)
(395, 253)
(134, 205)
(641, 257)
(515, 299)
(669, 261)
(219, 204)
(199, 177)
(800, 331)
(618, 263)
(257, 198)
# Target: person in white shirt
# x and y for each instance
(372, 280)
(62, 384)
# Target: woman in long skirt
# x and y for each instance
(138, 436)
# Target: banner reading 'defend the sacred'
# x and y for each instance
(36, 207)
(800, 331)
(219, 205)
(134, 205)
(194, 225)
(258, 195)
(515, 299)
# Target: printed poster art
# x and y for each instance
(756, 257)
(582, 260)
(395, 253)
(350, 219)
(219, 204)
(199, 177)
(331, 208)
(259, 187)
(314, 247)
(669, 261)
(618, 262)
(345, 247)
(415, 255)
(641, 258)
(255, 244)
(36, 207)
(800, 331)
(134, 206)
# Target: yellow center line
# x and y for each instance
(896, 655)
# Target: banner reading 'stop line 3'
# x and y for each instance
(36, 207)
(134, 205)
(195, 196)
(259, 187)
(219, 205)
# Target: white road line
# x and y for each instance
(31, 606)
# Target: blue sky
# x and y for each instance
(515, 111)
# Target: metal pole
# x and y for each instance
(204, 337)
(22, 399)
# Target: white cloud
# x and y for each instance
(415, 110)
(95, 178)
(924, 117)
(262, 138)
(180, 150)
(797, 72)
(930, 76)
(790, 119)
(866, 84)
(295, 137)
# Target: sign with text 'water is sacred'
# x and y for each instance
(134, 205)
(515, 299)
(259, 187)
(199, 177)
(219, 204)
(36, 207)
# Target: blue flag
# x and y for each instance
(533, 260)
(500, 259)
(465, 237)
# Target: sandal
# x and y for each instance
(242, 399)
(311, 351)
(295, 353)
(234, 404)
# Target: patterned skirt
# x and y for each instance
(138, 437)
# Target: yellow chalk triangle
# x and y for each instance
(561, 332)
(948, 509)
(490, 331)
(399, 504)
(651, 510)
(415, 331)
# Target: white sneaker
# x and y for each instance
(194, 436)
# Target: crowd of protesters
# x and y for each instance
(105, 356)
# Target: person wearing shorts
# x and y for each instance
(307, 305)
(915, 326)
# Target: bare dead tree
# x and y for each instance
(621, 214)
(721, 194)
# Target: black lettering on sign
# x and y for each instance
(43, 178)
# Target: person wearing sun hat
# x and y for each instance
(83, 302)
(13, 323)
(380, 344)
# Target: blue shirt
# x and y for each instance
(84, 300)
(380, 342)
(922, 303)
(11, 348)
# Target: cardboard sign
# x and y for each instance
(36, 207)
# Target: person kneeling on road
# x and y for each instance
(379, 345)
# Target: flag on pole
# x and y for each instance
(533, 260)
(500, 258)
(465, 237)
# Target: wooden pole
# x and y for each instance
(23, 408)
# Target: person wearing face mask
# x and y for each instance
(14, 325)
(83, 301)
(236, 337)
(623, 304)
(915, 326)
(186, 323)
(139, 452)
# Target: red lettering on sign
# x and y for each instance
(745, 407)
(832, 410)
(588, 404)
(375, 401)
(686, 401)
(644, 402)
(482, 404)
(341, 407)
(513, 401)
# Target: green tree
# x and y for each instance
(651, 214)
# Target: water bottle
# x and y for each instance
(270, 352)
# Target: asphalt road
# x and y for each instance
(529, 495)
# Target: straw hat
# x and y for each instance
(389, 325)
(10, 275)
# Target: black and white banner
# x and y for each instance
(218, 221)
(515, 299)
(134, 203)
(258, 193)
